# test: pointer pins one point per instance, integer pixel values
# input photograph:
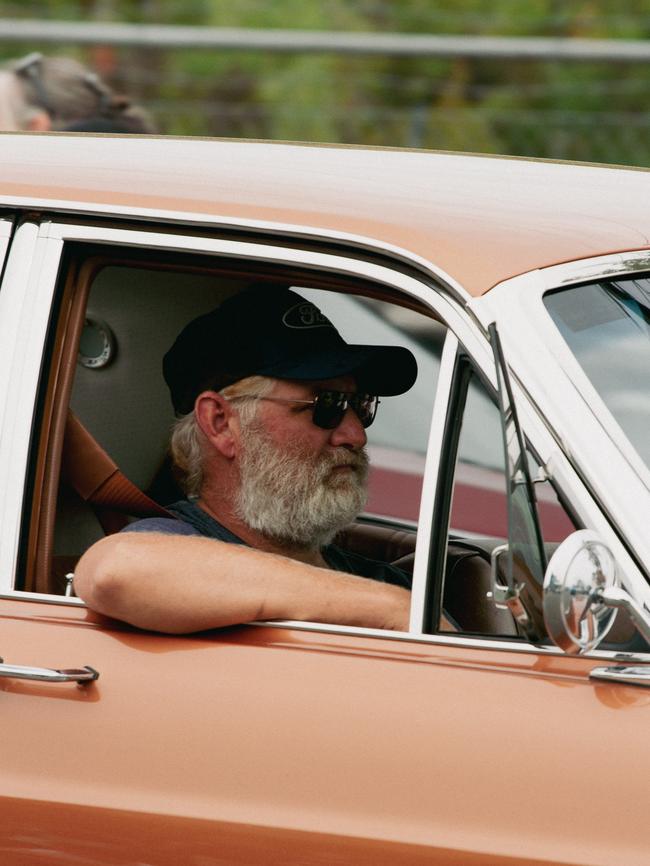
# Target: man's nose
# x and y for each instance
(349, 432)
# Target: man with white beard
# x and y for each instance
(269, 447)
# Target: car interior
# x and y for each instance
(104, 417)
(104, 410)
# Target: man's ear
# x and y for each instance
(216, 419)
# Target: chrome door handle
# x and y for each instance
(82, 675)
(628, 675)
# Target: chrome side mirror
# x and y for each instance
(580, 574)
(582, 594)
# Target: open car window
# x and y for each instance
(473, 505)
(100, 459)
(463, 602)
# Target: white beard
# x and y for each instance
(291, 496)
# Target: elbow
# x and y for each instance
(101, 573)
(113, 578)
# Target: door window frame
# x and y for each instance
(39, 251)
(29, 287)
(456, 370)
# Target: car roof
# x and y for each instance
(480, 219)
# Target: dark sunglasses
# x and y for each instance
(329, 407)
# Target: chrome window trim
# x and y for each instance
(451, 640)
(42, 598)
(597, 267)
(446, 640)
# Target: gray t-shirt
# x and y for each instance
(193, 520)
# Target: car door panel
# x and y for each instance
(103, 837)
(294, 732)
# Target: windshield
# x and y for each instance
(607, 327)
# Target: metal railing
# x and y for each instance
(317, 41)
(374, 88)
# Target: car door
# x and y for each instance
(282, 742)
(550, 707)
(201, 745)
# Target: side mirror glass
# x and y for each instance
(580, 574)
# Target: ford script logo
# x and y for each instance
(305, 315)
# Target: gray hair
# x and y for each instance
(69, 93)
(187, 444)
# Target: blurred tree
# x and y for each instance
(579, 110)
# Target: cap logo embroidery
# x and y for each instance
(305, 315)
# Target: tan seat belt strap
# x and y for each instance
(89, 470)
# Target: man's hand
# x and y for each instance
(179, 584)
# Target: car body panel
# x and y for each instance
(105, 836)
(450, 209)
(236, 744)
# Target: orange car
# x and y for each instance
(512, 736)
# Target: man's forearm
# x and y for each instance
(179, 585)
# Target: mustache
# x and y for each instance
(355, 458)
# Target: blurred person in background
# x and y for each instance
(41, 93)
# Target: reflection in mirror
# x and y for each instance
(581, 570)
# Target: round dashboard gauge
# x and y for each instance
(97, 344)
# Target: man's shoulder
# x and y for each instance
(176, 524)
(166, 525)
(191, 519)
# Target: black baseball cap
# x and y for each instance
(270, 330)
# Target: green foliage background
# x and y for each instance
(589, 111)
